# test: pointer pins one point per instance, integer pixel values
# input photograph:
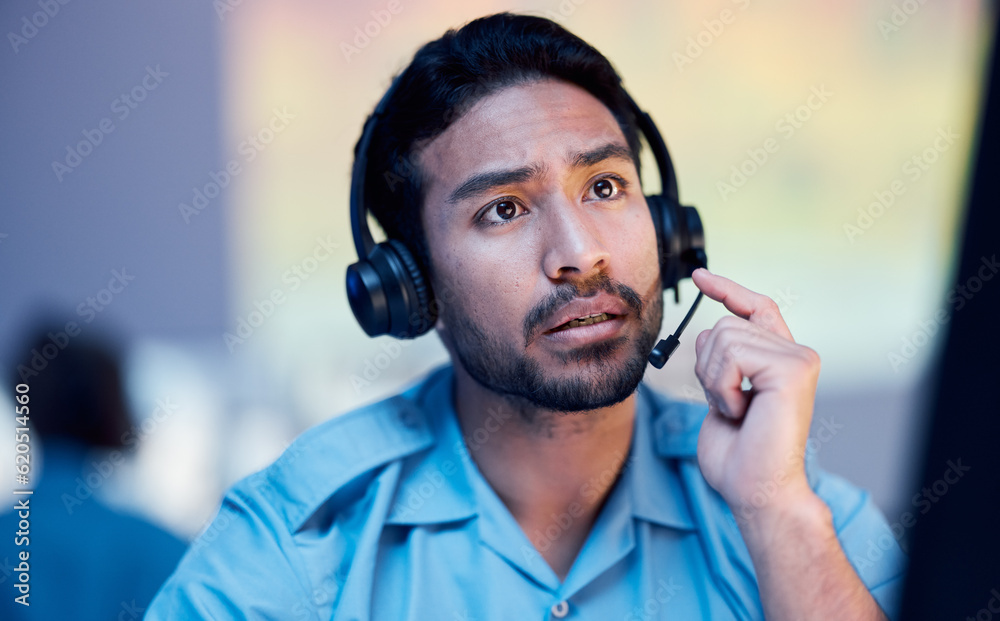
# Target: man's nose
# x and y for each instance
(573, 246)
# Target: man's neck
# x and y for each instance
(545, 466)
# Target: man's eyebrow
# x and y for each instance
(611, 150)
(483, 182)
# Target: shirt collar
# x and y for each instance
(676, 425)
(651, 475)
(434, 485)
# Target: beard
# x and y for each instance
(596, 378)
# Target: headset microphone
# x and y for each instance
(661, 353)
(681, 235)
(389, 293)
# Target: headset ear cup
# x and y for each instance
(419, 317)
(367, 297)
(388, 293)
(664, 214)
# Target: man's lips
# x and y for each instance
(586, 334)
(584, 309)
(583, 321)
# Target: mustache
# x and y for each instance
(566, 292)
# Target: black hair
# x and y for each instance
(446, 77)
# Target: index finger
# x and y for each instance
(756, 308)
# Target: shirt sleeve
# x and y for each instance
(870, 545)
(241, 567)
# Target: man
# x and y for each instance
(536, 478)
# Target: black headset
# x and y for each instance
(389, 294)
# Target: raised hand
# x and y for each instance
(752, 440)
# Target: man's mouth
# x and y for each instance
(583, 321)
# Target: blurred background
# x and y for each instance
(175, 178)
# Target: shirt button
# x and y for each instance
(560, 610)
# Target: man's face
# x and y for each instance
(534, 215)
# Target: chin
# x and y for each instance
(598, 383)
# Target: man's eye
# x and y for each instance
(608, 187)
(501, 212)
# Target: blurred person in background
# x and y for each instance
(87, 560)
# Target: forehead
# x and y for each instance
(542, 122)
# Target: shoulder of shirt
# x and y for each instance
(675, 424)
(351, 447)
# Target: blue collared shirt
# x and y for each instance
(382, 514)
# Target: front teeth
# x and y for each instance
(584, 321)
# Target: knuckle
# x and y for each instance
(713, 370)
(699, 373)
(730, 322)
(700, 340)
(728, 344)
(768, 310)
(811, 357)
(768, 304)
(806, 360)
